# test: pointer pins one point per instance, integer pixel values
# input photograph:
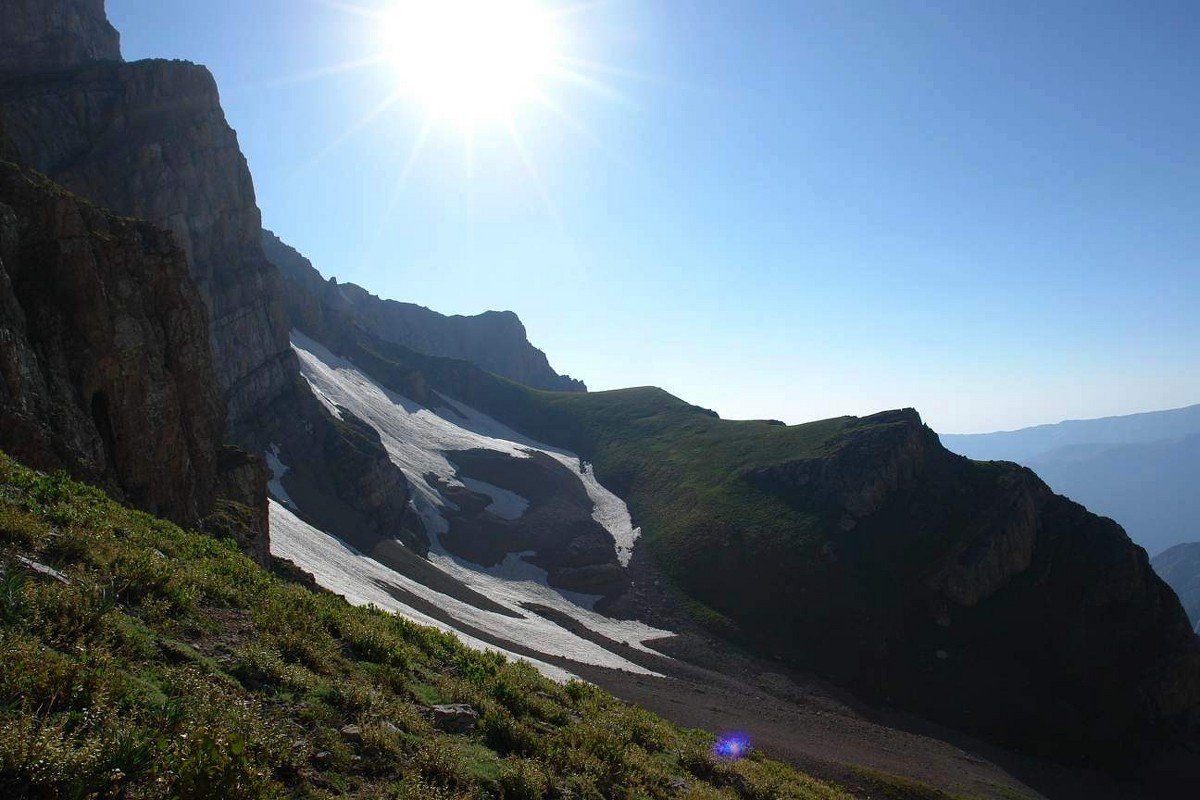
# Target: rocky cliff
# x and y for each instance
(971, 591)
(150, 140)
(494, 340)
(105, 368)
(45, 35)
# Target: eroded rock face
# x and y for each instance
(971, 591)
(105, 368)
(149, 140)
(493, 340)
(52, 34)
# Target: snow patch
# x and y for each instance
(417, 440)
(505, 504)
(278, 470)
(362, 581)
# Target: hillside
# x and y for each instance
(864, 550)
(825, 583)
(142, 660)
(1031, 443)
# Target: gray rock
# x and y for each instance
(45, 35)
(493, 340)
(454, 718)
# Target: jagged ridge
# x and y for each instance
(494, 340)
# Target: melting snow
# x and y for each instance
(362, 580)
(505, 504)
(278, 470)
(417, 439)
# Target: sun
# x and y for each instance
(471, 61)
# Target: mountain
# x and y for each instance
(149, 140)
(41, 35)
(625, 536)
(1179, 566)
(106, 364)
(1136, 469)
(865, 550)
(1029, 444)
(495, 340)
(206, 677)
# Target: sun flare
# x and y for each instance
(471, 60)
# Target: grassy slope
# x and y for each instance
(172, 666)
(678, 467)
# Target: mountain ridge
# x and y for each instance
(1136, 469)
(495, 340)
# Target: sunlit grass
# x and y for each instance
(173, 666)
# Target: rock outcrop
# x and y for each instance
(150, 140)
(971, 591)
(105, 368)
(493, 340)
(44, 35)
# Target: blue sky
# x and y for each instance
(794, 210)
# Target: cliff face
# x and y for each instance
(105, 368)
(494, 340)
(42, 35)
(972, 591)
(149, 140)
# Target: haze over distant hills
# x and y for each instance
(1138, 469)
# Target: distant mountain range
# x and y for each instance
(1139, 469)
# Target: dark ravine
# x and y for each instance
(494, 340)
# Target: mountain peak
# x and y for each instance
(38, 35)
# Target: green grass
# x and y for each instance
(173, 666)
(681, 470)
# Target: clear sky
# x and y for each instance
(986, 210)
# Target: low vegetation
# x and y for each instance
(141, 660)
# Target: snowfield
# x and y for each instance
(417, 440)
